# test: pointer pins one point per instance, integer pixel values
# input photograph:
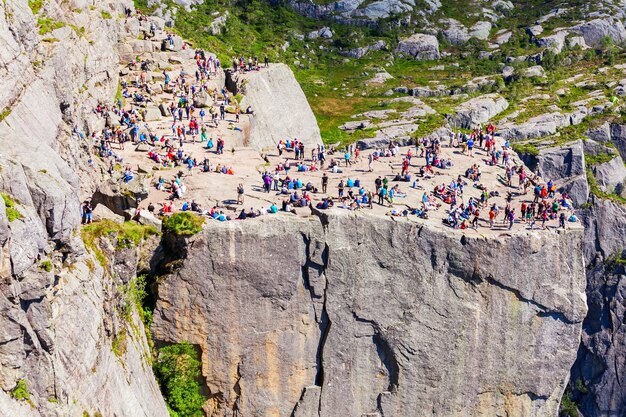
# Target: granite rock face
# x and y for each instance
(354, 315)
(57, 305)
(478, 110)
(280, 107)
(420, 47)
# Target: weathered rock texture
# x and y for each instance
(281, 110)
(57, 306)
(353, 315)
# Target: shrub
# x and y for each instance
(47, 25)
(35, 5)
(178, 370)
(183, 224)
(106, 15)
(12, 213)
(46, 265)
(20, 392)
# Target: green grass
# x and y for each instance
(119, 344)
(127, 235)
(601, 158)
(183, 224)
(526, 148)
(177, 369)
(12, 213)
(106, 15)
(20, 392)
(47, 25)
(568, 407)
(35, 5)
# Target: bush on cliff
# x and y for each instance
(178, 369)
(183, 224)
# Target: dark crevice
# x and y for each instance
(544, 310)
(385, 352)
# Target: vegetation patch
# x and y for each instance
(46, 265)
(35, 5)
(177, 369)
(119, 344)
(183, 224)
(106, 15)
(595, 189)
(12, 212)
(525, 149)
(128, 234)
(47, 25)
(21, 393)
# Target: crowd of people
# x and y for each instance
(428, 158)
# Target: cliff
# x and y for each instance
(59, 309)
(354, 315)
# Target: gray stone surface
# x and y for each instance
(420, 47)
(56, 328)
(478, 110)
(594, 31)
(611, 175)
(561, 162)
(376, 343)
(273, 94)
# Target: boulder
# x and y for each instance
(554, 42)
(456, 33)
(102, 212)
(280, 107)
(610, 175)
(535, 30)
(149, 219)
(420, 46)
(324, 32)
(119, 196)
(536, 71)
(595, 31)
(216, 26)
(480, 30)
(561, 162)
(478, 110)
(535, 127)
(380, 78)
(202, 99)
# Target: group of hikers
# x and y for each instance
(193, 121)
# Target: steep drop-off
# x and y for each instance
(59, 309)
(355, 315)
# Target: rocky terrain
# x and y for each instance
(323, 313)
(299, 325)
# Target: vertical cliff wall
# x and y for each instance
(59, 309)
(354, 315)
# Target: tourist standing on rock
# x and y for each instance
(324, 183)
(87, 213)
(240, 192)
(222, 111)
(511, 218)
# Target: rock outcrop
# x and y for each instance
(58, 307)
(420, 47)
(354, 315)
(281, 110)
(478, 110)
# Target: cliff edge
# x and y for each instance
(358, 315)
